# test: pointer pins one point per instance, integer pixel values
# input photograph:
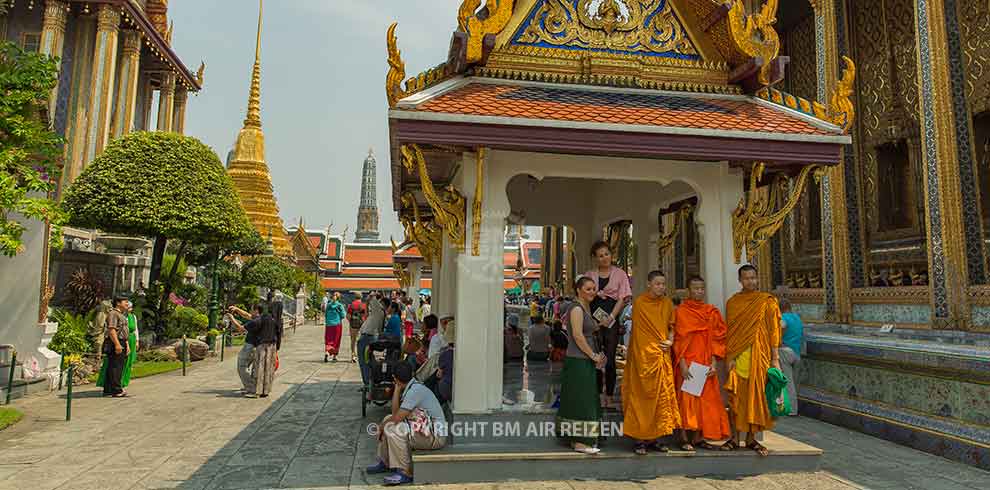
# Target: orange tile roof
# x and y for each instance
(355, 255)
(661, 109)
(368, 271)
(352, 283)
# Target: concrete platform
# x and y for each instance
(545, 458)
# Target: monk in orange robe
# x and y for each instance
(699, 337)
(752, 342)
(649, 403)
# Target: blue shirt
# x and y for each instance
(793, 333)
(394, 326)
(335, 313)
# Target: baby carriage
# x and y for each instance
(381, 355)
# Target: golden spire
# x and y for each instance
(253, 119)
(249, 171)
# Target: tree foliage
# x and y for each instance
(269, 272)
(29, 150)
(158, 185)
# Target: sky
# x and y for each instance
(323, 95)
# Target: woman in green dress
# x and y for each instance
(132, 341)
(579, 415)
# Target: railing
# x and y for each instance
(10, 374)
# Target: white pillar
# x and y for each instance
(715, 215)
(447, 280)
(479, 300)
(415, 274)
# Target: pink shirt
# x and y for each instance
(618, 284)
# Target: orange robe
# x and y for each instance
(699, 335)
(649, 403)
(754, 331)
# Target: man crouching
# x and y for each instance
(417, 422)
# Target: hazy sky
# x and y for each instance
(323, 96)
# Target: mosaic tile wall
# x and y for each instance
(809, 311)
(892, 313)
(966, 402)
(980, 316)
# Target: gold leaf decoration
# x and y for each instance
(841, 106)
(755, 35)
(449, 209)
(396, 68)
(755, 221)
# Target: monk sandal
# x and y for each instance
(376, 469)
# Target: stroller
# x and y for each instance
(381, 355)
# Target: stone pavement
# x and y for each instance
(195, 432)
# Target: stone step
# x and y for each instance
(546, 458)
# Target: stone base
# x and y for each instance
(484, 457)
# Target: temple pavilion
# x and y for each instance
(594, 115)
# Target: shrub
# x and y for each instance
(71, 336)
(154, 356)
(186, 321)
(196, 296)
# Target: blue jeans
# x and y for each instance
(362, 345)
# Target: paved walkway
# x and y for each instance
(195, 432)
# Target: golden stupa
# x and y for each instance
(249, 170)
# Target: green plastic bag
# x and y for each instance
(777, 399)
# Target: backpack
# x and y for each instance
(355, 318)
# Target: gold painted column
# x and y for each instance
(835, 225)
(127, 91)
(53, 41)
(166, 102)
(943, 201)
(77, 119)
(179, 114)
(103, 73)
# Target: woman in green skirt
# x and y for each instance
(579, 415)
(132, 340)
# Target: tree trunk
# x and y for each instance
(156, 259)
(167, 284)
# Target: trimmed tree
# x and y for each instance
(160, 185)
(270, 272)
(28, 148)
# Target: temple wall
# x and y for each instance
(891, 314)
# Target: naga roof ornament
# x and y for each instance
(755, 35)
(479, 23)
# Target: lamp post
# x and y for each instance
(214, 291)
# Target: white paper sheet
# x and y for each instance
(699, 374)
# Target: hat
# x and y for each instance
(447, 318)
(450, 331)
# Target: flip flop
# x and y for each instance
(758, 448)
(588, 450)
(730, 445)
(640, 449)
(707, 446)
(686, 447)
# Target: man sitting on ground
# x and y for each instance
(416, 422)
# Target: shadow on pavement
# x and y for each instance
(309, 437)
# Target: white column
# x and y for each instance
(415, 274)
(646, 251)
(717, 201)
(447, 280)
(479, 303)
